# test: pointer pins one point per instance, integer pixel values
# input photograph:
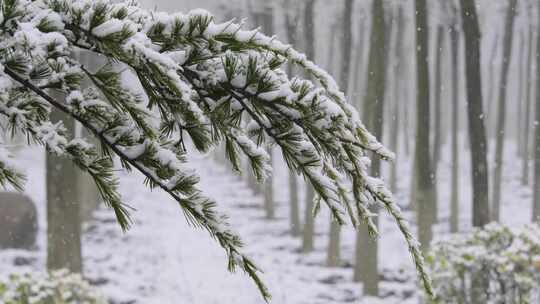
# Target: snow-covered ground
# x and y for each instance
(164, 260)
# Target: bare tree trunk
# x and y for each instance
(394, 140)
(522, 65)
(88, 192)
(358, 85)
(477, 132)
(475, 113)
(455, 63)
(309, 224)
(366, 264)
(424, 183)
(437, 141)
(333, 59)
(398, 86)
(291, 24)
(333, 254)
(406, 122)
(334, 236)
(295, 206)
(269, 204)
(536, 185)
(366, 268)
(256, 21)
(501, 117)
(269, 208)
(63, 207)
(528, 104)
(492, 88)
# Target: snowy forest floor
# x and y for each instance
(164, 260)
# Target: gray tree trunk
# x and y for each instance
(475, 113)
(491, 104)
(406, 124)
(88, 192)
(269, 204)
(536, 185)
(501, 116)
(358, 78)
(294, 204)
(308, 231)
(366, 269)
(291, 24)
(521, 90)
(424, 184)
(366, 264)
(527, 111)
(437, 141)
(455, 64)
(398, 86)
(333, 254)
(63, 207)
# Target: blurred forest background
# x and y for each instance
(459, 105)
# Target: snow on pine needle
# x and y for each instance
(196, 80)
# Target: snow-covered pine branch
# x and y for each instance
(189, 77)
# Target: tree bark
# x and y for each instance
(501, 116)
(521, 89)
(309, 221)
(291, 24)
(256, 19)
(437, 141)
(63, 207)
(536, 185)
(359, 65)
(475, 113)
(492, 87)
(88, 192)
(366, 269)
(268, 27)
(424, 184)
(398, 85)
(269, 208)
(333, 255)
(455, 64)
(528, 105)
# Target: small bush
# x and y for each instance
(59, 287)
(494, 265)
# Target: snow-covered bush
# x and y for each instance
(59, 287)
(496, 264)
(174, 78)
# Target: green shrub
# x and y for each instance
(59, 287)
(496, 264)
